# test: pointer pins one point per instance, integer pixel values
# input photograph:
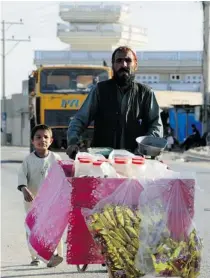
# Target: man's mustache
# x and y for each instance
(124, 70)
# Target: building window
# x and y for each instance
(193, 78)
(175, 77)
(149, 78)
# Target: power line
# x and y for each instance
(4, 39)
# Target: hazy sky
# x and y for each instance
(171, 26)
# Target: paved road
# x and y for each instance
(15, 257)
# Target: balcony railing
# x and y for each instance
(95, 6)
(102, 28)
(95, 56)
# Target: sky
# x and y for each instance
(172, 26)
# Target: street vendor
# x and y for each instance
(121, 109)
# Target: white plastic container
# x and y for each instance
(108, 170)
(77, 164)
(138, 168)
(83, 167)
(121, 165)
(138, 158)
(96, 169)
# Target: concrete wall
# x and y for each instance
(17, 125)
(25, 87)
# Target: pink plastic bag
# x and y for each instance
(86, 193)
(48, 217)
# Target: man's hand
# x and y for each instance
(28, 196)
(72, 150)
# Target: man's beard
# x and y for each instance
(124, 79)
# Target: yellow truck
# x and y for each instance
(57, 92)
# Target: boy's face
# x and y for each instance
(42, 140)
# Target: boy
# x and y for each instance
(33, 171)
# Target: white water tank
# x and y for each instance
(94, 12)
(98, 26)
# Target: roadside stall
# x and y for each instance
(130, 213)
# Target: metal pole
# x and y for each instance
(187, 122)
(3, 85)
(4, 54)
(3, 60)
(206, 66)
(176, 122)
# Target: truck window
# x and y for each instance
(70, 80)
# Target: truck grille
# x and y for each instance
(58, 117)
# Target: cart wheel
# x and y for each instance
(83, 268)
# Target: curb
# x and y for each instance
(11, 161)
(196, 157)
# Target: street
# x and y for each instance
(15, 258)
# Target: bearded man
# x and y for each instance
(121, 109)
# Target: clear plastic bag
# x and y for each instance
(155, 169)
(169, 243)
(109, 171)
(120, 153)
(114, 224)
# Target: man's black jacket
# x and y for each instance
(119, 118)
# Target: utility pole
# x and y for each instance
(206, 66)
(4, 54)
